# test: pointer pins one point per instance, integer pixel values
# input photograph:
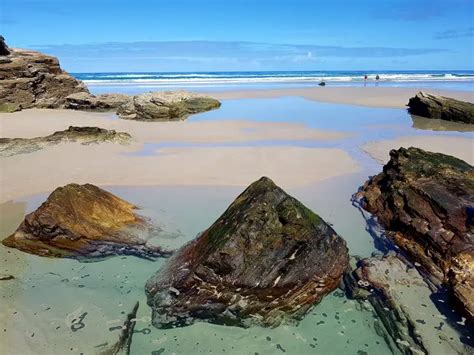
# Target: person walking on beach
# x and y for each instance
(365, 79)
(377, 78)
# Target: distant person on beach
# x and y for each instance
(377, 78)
(365, 79)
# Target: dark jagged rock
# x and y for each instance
(88, 102)
(440, 107)
(122, 346)
(84, 135)
(4, 50)
(31, 79)
(425, 201)
(6, 277)
(402, 301)
(84, 222)
(166, 106)
(267, 258)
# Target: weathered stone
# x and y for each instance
(104, 102)
(403, 303)
(266, 259)
(84, 135)
(440, 107)
(84, 222)
(32, 79)
(425, 201)
(166, 106)
(4, 50)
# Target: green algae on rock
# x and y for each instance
(425, 201)
(84, 222)
(440, 107)
(84, 135)
(166, 106)
(266, 259)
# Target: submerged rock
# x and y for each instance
(166, 106)
(84, 135)
(88, 102)
(31, 79)
(403, 303)
(84, 222)
(440, 107)
(425, 201)
(268, 257)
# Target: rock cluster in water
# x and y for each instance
(84, 222)
(426, 203)
(84, 135)
(440, 107)
(31, 79)
(268, 257)
(166, 106)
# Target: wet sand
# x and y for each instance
(459, 147)
(389, 97)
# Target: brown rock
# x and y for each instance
(425, 201)
(267, 258)
(104, 102)
(84, 222)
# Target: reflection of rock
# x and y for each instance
(166, 106)
(84, 135)
(266, 258)
(440, 125)
(426, 203)
(402, 300)
(440, 107)
(104, 102)
(84, 222)
(32, 79)
(122, 346)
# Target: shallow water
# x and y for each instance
(57, 306)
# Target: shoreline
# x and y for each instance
(382, 97)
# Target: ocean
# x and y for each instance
(130, 82)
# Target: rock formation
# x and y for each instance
(84, 135)
(425, 201)
(440, 107)
(31, 79)
(89, 102)
(84, 222)
(166, 106)
(4, 50)
(267, 258)
(403, 303)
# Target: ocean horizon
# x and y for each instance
(442, 79)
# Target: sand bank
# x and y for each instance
(371, 96)
(462, 148)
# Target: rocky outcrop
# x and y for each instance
(425, 201)
(31, 79)
(403, 303)
(84, 222)
(84, 135)
(440, 107)
(267, 258)
(88, 102)
(166, 106)
(4, 50)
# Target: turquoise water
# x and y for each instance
(41, 304)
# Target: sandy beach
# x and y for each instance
(371, 96)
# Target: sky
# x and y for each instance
(241, 35)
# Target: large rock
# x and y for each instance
(84, 222)
(32, 79)
(89, 102)
(4, 50)
(425, 201)
(404, 305)
(266, 258)
(440, 107)
(84, 135)
(166, 106)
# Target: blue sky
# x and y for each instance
(212, 35)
